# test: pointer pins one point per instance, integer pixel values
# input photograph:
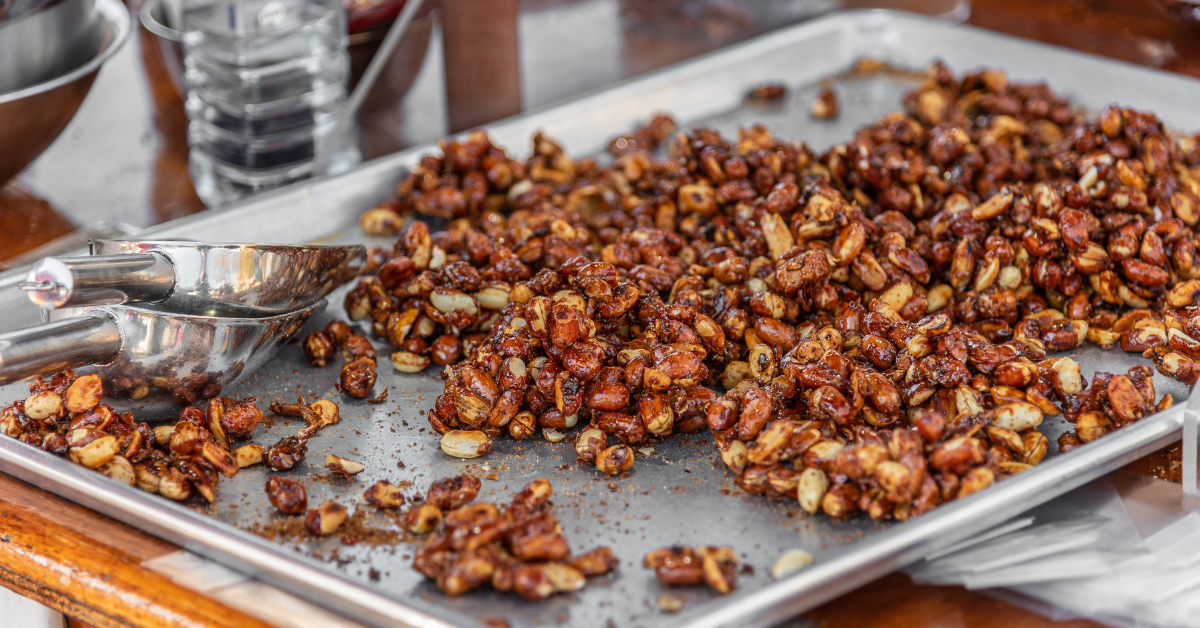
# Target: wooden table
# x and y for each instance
(88, 566)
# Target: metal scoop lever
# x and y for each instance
(92, 338)
(197, 278)
(56, 282)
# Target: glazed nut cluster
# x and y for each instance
(64, 416)
(517, 547)
(882, 318)
(358, 372)
(716, 567)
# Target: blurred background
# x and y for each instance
(121, 163)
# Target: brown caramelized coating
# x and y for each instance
(63, 415)
(358, 377)
(240, 419)
(286, 495)
(881, 318)
(518, 547)
(450, 493)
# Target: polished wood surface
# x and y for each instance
(88, 565)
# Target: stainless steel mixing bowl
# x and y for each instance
(50, 59)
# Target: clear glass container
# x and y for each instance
(266, 81)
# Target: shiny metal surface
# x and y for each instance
(679, 493)
(56, 282)
(50, 59)
(155, 358)
(88, 339)
(1191, 427)
(38, 46)
(205, 279)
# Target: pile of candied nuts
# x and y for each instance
(517, 547)
(63, 415)
(882, 316)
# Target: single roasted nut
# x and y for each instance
(286, 495)
(239, 420)
(326, 411)
(1091, 425)
(445, 350)
(1035, 447)
(96, 453)
(423, 518)
(589, 445)
(466, 444)
(407, 362)
(343, 467)
(451, 492)
(790, 562)
(286, 453)
(381, 220)
(1017, 417)
(43, 405)
(219, 458)
(974, 481)
(326, 518)
(83, 394)
(384, 494)
(358, 377)
(318, 348)
(811, 489)
(248, 455)
(119, 468)
(615, 459)
(596, 562)
(174, 485)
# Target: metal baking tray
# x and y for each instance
(678, 494)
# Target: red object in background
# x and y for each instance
(368, 15)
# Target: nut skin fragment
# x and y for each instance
(347, 469)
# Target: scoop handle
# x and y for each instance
(69, 343)
(56, 282)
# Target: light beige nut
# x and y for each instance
(94, 454)
(326, 518)
(1017, 417)
(563, 577)
(248, 455)
(466, 443)
(423, 518)
(384, 494)
(790, 562)
(327, 410)
(407, 362)
(83, 394)
(811, 489)
(119, 469)
(43, 405)
(494, 297)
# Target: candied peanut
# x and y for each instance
(326, 518)
(615, 459)
(286, 495)
(83, 394)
